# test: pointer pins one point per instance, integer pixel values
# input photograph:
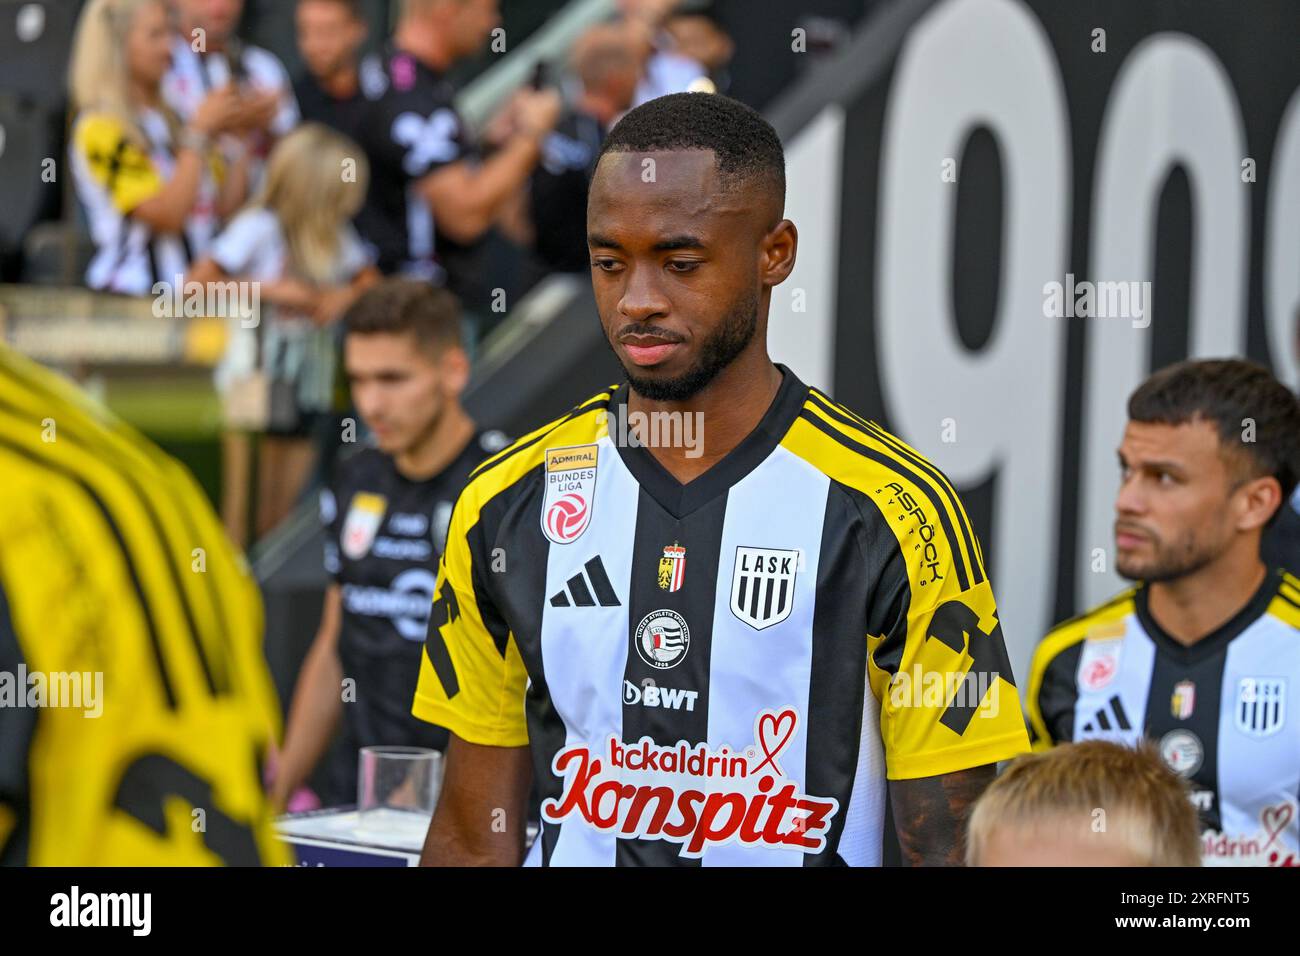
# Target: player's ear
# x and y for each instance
(778, 252)
(454, 366)
(1258, 500)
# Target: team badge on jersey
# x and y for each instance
(1182, 752)
(672, 568)
(662, 639)
(570, 492)
(1099, 663)
(365, 515)
(1183, 701)
(1261, 705)
(762, 585)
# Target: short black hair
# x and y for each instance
(395, 306)
(1229, 393)
(746, 146)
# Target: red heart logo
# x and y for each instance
(1275, 820)
(778, 726)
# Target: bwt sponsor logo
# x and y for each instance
(694, 795)
(655, 429)
(654, 696)
(197, 300)
(80, 690)
(133, 910)
(1101, 300)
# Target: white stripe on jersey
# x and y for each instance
(1131, 683)
(584, 666)
(1260, 775)
(862, 842)
(750, 670)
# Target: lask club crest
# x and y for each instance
(365, 515)
(762, 585)
(570, 492)
(1261, 705)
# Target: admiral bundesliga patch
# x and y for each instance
(365, 515)
(692, 795)
(570, 492)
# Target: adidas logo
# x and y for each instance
(578, 593)
(1102, 719)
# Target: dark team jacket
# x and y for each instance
(384, 534)
(410, 129)
(558, 193)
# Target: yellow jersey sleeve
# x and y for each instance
(117, 164)
(139, 632)
(948, 700)
(472, 680)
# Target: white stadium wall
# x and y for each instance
(964, 154)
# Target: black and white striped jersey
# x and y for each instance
(1222, 711)
(727, 671)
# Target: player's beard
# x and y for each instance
(719, 350)
(1187, 555)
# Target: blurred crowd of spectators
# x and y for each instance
(197, 158)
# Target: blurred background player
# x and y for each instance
(385, 514)
(699, 35)
(1088, 804)
(1202, 656)
(607, 70)
(431, 200)
(141, 604)
(332, 88)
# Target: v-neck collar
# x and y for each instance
(1217, 639)
(680, 500)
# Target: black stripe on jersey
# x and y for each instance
(600, 402)
(447, 608)
(694, 601)
(492, 619)
(126, 471)
(680, 500)
(853, 558)
(546, 738)
(17, 727)
(1059, 692)
(1206, 673)
(844, 416)
(169, 693)
(895, 465)
(1217, 640)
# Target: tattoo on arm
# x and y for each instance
(930, 814)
